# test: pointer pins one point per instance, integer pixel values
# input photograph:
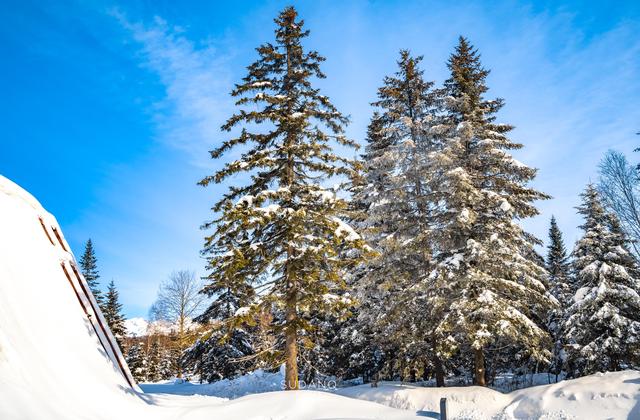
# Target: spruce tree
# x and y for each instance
(137, 362)
(153, 362)
(112, 311)
(603, 323)
(89, 269)
(558, 267)
(396, 200)
(488, 288)
(561, 287)
(283, 233)
(160, 362)
(222, 352)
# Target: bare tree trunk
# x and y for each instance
(479, 376)
(439, 371)
(181, 322)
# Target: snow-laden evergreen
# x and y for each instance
(282, 232)
(112, 311)
(89, 269)
(488, 288)
(561, 287)
(396, 201)
(161, 363)
(558, 266)
(151, 362)
(603, 324)
(222, 352)
(137, 361)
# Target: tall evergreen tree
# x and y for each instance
(489, 289)
(603, 324)
(561, 287)
(558, 267)
(396, 200)
(283, 233)
(89, 269)
(112, 311)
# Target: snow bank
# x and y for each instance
(614, 395)
(251, 383)
(466, 402)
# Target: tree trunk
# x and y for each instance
(291, 346)
(291, 333)
(480, 378)
(181, 322)
(437, 362)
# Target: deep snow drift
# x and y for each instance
(54, 366)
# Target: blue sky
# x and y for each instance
(109, 108)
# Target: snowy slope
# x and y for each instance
(52, 365)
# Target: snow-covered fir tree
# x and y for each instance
(282, 233)
(558, 266)
(89, 269)
(217, 356)
(137, 362)
(561, 287)
(160, 361)
(488, 287)
(396, 200)
(348, 348)
(153, 360)
(112, 311)
(222, 352)
(602, 329)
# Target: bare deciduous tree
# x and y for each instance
(179, 300)
(619, 186)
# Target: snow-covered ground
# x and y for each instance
(613, 395)
(53, 366)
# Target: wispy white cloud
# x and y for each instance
(196, 82)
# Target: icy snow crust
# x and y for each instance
(52, 365)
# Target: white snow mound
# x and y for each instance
(613, 395)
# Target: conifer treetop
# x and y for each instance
(278, 91)
(89, 269)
